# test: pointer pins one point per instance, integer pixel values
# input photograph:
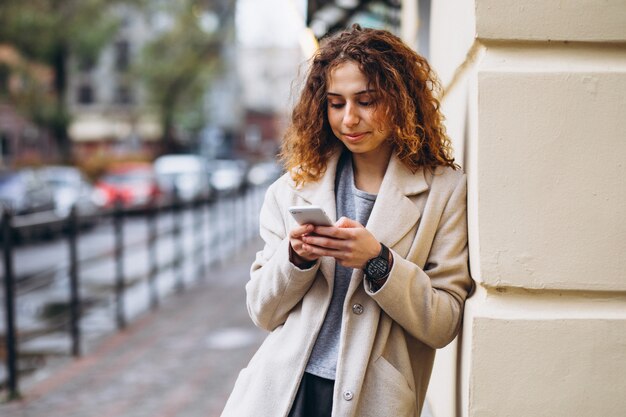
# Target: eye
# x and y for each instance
(335, 105)
(366, 100)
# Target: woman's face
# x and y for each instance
(352, 110)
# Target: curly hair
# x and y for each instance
(405, 87)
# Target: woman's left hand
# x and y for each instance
(348, 241)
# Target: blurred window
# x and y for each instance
(86, 64)
(85, 94)
(123, 95)
(4, 78)
(5, 149)
(122, 55)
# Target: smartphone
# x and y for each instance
(310, 215)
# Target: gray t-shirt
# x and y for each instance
(354, 204)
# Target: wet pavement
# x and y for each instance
(181, 360)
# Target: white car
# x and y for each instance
(228, 175)
(184, 174)
(71, 188)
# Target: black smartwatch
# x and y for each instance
(378, 267)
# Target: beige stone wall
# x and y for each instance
(536, 106)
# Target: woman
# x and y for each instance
(356, 310)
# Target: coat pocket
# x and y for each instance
(386, 392)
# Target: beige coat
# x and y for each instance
(388, 338)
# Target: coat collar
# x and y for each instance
(393, 215)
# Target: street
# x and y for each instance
(181, 360)
(207, 236)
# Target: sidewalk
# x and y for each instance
(181, 360)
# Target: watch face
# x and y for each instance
(377, 268)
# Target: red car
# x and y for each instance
(134, 185)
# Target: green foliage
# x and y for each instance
(178, 64)
(38, 28)
(175, 67)
(46, 32)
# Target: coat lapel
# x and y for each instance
(394, 214)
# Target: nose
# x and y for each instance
(351, 116)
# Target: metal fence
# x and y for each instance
(199, 233)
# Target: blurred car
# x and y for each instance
(134, 185)
(186, 175)
(24, 191)
(31, 200)
(228, 175)
(265, 172)
(71, 188)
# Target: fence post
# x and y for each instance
(249, 213)
(75, 306)
(211, 214)
(234, 219)
(152, 256)
(118, 224)
(9, 295)
(199, 229)
(239, 219)
(177, 215)
(220, 224)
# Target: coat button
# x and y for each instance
(347, 395)
(357, 309)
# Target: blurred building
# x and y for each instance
(275, 40)
(327, 16)
(223, 134)
(21, 141)
(268, 61)
(267, 74)
(111, 107)
(107, 104)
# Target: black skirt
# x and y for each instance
(314, 397)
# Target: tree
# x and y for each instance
(177, 65)
(48, 31)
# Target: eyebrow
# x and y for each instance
(330, 93)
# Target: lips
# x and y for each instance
(354, 137)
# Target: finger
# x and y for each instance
(347, 222)
(302, 251)
(301, 230)
(318, 251)
(324, 242)
(333, 232)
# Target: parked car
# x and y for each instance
(133, 184)
(264, 172)
(31, 200)
(25, 192)
(187, 175)
(71, 188)
(228, 175)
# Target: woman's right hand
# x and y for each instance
(299, 252)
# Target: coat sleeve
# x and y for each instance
(276, 285)
(428, 303)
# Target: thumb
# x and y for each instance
(346, 223)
